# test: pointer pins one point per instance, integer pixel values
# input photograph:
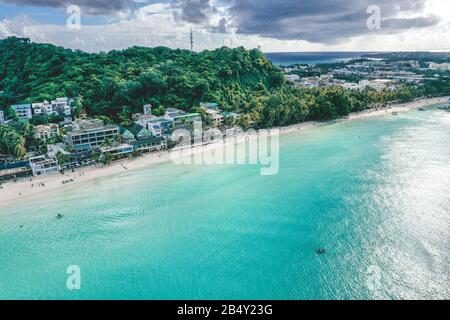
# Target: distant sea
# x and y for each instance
(291, 58)
(374, 193)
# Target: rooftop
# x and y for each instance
(91, 125)
(43, 128)
(209, 105)
(24, 105)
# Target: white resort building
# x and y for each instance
(42, 108)
(43, 165)
(62, 106)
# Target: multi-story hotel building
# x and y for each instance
(23, 111)
(89, 134)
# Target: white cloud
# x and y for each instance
(156, 25)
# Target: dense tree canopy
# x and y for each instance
(116, 84)
(108, 82)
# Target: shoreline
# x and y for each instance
(25, 188)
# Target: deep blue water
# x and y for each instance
(291, 58)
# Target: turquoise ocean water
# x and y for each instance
(375, 193)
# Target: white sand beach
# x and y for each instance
(14, 191)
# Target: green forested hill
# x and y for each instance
(120, 82)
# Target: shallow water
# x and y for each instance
(375, 193)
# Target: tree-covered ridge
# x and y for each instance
(118, 83)
(421, 56)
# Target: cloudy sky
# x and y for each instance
(275, 25)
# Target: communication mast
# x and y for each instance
(192, 40)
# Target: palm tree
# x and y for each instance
(19, 151)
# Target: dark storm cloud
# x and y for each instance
(405, 23)
(222, 27)
(194, 11)
(92, 7)
(322, 20)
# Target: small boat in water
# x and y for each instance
(422, 109)
(395, 113)
(321, 251)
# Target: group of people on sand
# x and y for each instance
(40, 184)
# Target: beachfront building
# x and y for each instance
(91, 133)
(180, 119)
(159, 127)
(126, 134)
(118, 150)
(43, 165)
(15, 170)
(155, 128)
(150, 144)
(140, 132)
(2, 117)
(186, 121)
(23, 111)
